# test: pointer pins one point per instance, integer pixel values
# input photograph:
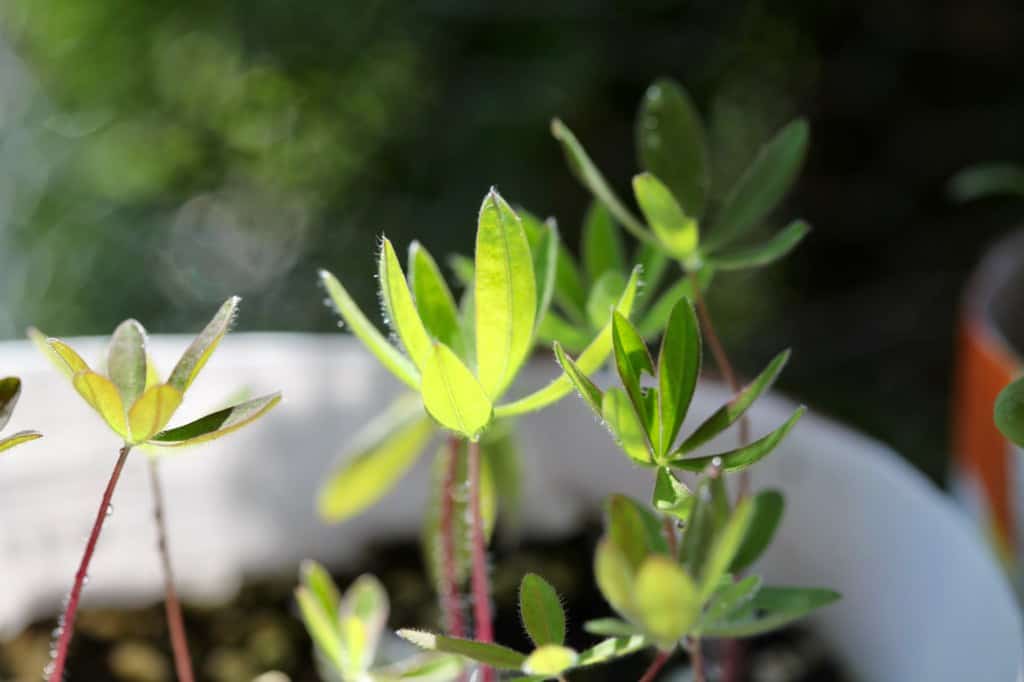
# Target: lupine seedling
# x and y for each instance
(10, 391)
(460, 360)
(137, 406)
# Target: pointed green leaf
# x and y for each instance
(763, 254)
(453, 396)
(42, 342)
(102, 396)
(590, 393)
(762, 186)
(742, 457)
(434, 299)
(126, 360)
(614, 575)
(726, 544)
(399, 307)
(541, 611)
(462, 267)
(550, 660)
(199, 351)
(602, 248)
(389, 356)
(667, 600)
(610, 649)
(590, 177)
(634, 529)
(321, 627)
(772, 608)
(216, 424)
(671, 496)
(731, 597)
(678, 370)
(554, 328)
(987, 180)
(699, 531)
(670, 141)
(318, 581)
(1009, 412)
(656, 318)
(589, 361)
(603, 295)
(767, 514)
(632, 360)
(10, 390)
(610, 627)
(382, 454)
(72, 360)
(728, 414)
(570, 293)
(544, 243)
(676, 231)
(625, 425)
(505, 294)
(494, 655)
(18, 438)
(152, 411)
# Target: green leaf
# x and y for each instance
(767, 514)
(772, 608)
(18, 438)
(505, 294)
(632, 360)
(656, 318)
(10, 390)
(728, 414)
(541, 611)
(152, 411)
(400, 309)
(698, 535)
(676, 231)
(610, 649)
(614, 576)
(434, 300)
(72, 360)
(216, 424)
(494, 655)
(1009, 412)
(620, 417)
(724, 548)
(731, 597)
(603, 295)
(570, 293)
(667, 600)
(462, 267)
(742, 457)
(318, 581)
(763, 254)
(670, 142)
(588, 362)
(544, 242)
(555, 328)
(126, 360)
(199, 351)
(382, 454)
(42, 342)
(453, 396)
(321, 627)
(364, 610)
(610, 627)
(634, 529)
(678, 370)
(671, 496)
(550, 660)
(987, 180)
(655, 263)
(103, 396)
(762, 185)
(590, 393)
(588, 174)
(602, 249)
(389, 356)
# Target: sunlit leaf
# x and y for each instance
(610, 627)
(366, 602)
(742, 457)
(43, 343)
(762, 186)
(453, 396)
(679, 363)
(399, 307)
(614, 575)
(126, 360)
(541, 611)
(763, 254)
(18, 438)
(102, 396)
(610, 649)
(550, 660)
(10, 390)
(590, 393)
(389, 356)
(625, 425)
(544, 243)
(729, 413)
(216, 424)
(1009, 412)
(725, 546)
(670, 142)
(632, 359)
(152, 411)
(494, 655)
(200, 350)
(321, 627)
(767, 514)
(634, 529)
(667, 601)
(676, 231)
(318, 581)
(602, 248)
(384, 452)
(770, 609)
(72, 360)
(434, 299)
(588, 174)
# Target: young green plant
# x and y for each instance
(137, 406)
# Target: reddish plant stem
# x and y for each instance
(451, 609)
(172, 607)
(480, 581)
(67, 620)
(656, 665)
(697, 661)
(669, 527)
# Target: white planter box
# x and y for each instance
(923, 600)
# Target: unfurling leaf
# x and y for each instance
(494, 655)
(590, 393)
(453, 396)
(18, 438)
(152, 411)
(668, 603)
(400, 308)
(103, 396)
(42, 343)
(550, 660)
(318, 581)
(676, 231)
(434, 299)
(216, 424)
(541, 611)
(671, 496)
(196, 355)
(742, 457)
(126, 360)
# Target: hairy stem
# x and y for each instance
(451, 609)
(55, 670)
(480, 581)
(656, 665)
(175, 623)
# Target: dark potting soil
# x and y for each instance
(258, 630)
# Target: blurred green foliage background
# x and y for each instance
(157, 156)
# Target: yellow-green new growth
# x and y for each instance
(10, 391)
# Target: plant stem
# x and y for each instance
(175, 623)
(697, 661)
(67, 620)
(481, 584)
(451, 609)
(656, 665)
(669, 527)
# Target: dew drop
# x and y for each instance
(110, 510)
